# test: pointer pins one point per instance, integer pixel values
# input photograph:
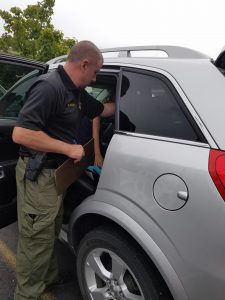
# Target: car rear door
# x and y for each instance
(160, 127)
(16, 76)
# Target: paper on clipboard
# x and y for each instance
(69, 171)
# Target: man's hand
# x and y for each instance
(98, 160)
(40, 141)
(76, 152)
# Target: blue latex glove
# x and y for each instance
(94, 169)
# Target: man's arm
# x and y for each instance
(95, 134)
(109, 109)
(40, 141)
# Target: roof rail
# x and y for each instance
(171, 51)
(57, 59)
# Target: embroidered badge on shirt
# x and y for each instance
(74, 104)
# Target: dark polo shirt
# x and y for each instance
(56, 106)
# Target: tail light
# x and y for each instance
(217, 170)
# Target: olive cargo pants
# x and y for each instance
(40, 212)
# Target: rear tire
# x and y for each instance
(111, 266)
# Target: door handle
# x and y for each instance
(2, 172)
(182, 195)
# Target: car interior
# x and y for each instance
(104, 90)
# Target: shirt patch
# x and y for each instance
(72, 104)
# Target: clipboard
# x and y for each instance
(69, 171)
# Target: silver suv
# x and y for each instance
(151, 225)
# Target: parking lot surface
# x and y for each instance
(8, 242)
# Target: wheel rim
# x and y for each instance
(108, 277)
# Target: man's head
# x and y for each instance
(83, 63)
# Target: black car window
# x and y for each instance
(10, 73)
(2, 91)
(16, 79)
(152, 108)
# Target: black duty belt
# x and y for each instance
(49, 163)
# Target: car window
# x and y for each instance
(2, 91)
(17, 79)
(10, 73)
(100, 92)
(152, 108)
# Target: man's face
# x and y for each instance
(90, 69)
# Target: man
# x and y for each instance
(49, 122)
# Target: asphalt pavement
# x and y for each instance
(67, 264)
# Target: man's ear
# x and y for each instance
(84, 64)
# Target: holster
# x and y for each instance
(34, 165)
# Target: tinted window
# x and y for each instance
(17, 80)
(153, 109)
(10, 73)
(2, 91)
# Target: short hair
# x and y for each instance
(84, 49)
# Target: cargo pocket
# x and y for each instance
(36, 225)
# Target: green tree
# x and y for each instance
(29, 32)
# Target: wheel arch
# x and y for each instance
(92, 214)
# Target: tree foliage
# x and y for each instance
(29, 32)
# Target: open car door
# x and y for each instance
(16, 76)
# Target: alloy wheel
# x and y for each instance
(109, 277)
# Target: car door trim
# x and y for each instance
(162, 138)
(24, 61)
